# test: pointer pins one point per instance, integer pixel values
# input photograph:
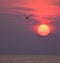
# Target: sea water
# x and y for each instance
(29, 59)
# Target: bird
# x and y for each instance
(29, 20)
(27, 17)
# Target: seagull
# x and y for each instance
(27, 17)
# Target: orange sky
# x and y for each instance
(18, 37)
(37, 5)
(41, 8)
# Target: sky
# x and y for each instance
(19, 37)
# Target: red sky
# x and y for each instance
(41, 8)
(16, 37)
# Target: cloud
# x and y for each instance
(55, 20)
(23, 8)
(8, 18)
(55, 2)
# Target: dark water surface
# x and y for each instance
(29, 58)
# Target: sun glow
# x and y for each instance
(43, 30)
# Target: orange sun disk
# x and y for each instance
(43, 30)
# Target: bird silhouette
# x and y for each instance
(27, 17)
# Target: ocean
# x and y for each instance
(29, 58)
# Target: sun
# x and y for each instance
(43, 30)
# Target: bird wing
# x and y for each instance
(30, 15)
